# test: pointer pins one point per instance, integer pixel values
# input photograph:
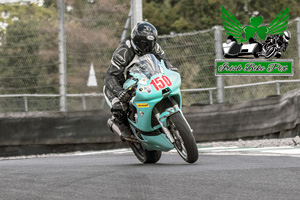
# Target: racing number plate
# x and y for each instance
(161, 82)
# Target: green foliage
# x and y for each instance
(29, 12)
(93, 33)
(21, 51)
(189, 15)
(28, 52)
(29, 45)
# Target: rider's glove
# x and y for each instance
(123, 96)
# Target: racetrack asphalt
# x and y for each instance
(122, 176)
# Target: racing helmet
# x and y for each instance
(286, 36)
(143, 38)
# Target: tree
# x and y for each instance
(189, 15)
(28, 55)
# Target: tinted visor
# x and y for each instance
(146, 46)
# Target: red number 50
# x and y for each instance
(161, 82)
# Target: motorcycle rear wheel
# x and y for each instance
(185, 143)
(143, 154)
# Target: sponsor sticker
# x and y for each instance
(145, 89)
(141, 113)
(142, 105)
(143, 81)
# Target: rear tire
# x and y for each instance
(143, 154)
(186, 146)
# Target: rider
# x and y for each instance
(281, 40)
(142, 41)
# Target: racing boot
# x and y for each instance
(125, 130)
(119, 128)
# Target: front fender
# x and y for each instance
(168, 112)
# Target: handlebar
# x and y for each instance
(133, 85)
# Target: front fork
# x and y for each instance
(168, 113)
(165, 130)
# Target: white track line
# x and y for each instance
(115, 151)
(233, 150)
(284, 150)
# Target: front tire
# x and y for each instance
(270, 52)
(185, 143)
(143, 154)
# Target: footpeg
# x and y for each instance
(133, 140)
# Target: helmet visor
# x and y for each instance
(286, 37)
(146, 46)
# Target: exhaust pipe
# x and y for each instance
(113, 127)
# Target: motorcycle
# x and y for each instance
(154, 112)
(272, 49)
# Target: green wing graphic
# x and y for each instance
(232, 26)
(279, 24)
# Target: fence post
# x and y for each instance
(137, 12)
(298, 42)
(102, 103)
(83, 102)
(277, 88)
(26, 104)
(211, 101)
(126, 27)
(62, 55)
(219, 55)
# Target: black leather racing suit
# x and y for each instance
(115, 77)
(121, 58)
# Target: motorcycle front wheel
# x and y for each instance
(270, 52)
(185, 143)
(143, 154)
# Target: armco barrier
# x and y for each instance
(34, 131)
(276, 115)
(55, 128)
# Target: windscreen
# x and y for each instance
(147, 65)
